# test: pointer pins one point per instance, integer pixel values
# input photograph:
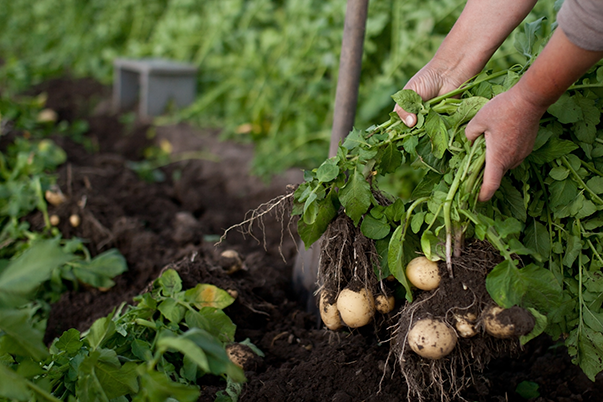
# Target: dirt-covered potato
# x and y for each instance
(328, 310)
(423, 273)
(506, 323)
(465, 325)
(431, 338)
(356, 307)
(384, 304)
(243, 356)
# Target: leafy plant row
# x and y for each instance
(545, 220)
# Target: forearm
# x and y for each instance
(557, 67)
(480, 30)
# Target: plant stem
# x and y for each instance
(581, 182)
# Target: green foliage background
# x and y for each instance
(270, 65)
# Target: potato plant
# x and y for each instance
(544, 221)
(149, 351)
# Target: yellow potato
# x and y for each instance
(432, 339)
(423, 274)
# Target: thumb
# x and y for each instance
(409, 119)
(474, 129)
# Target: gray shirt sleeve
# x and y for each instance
(582, 23)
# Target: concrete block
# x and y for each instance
(154, 83)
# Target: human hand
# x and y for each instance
(509, 123)
(431, 81)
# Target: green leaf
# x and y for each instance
(69, 342)
(171, 310)
(187, 348)
(170, 282)
(327, 171)
(531, 286)
(566, 109)
(218, 360)
(355, 196)
(142, 350)
(327, 211)
(595, 184)
(554, 148)
(99, 271)
(13, 386)
(562, 193)
(593, 319)
(220, 324)
(354, 139)
(408, 100)
(397, 259)
(26, 340)
(391, 159)
(31, 268)
(586, 347)
(205, 295)
(573, 247)
(437, 132)
(101, 330)
(527, 389)
(538, 239)
(375, 229)
(527, 39)
(468, 109)
(156, 386)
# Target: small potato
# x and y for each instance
(384, 304)
(356, 308)
(74, 220)
(423, 273)
(328, 311)
(47, 116)
(231, 261)
(243, 356)
(55, 198)
(54, 220)
(431, 338)
(465, 325)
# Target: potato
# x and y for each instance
(506, 323)
(47, 116)
(423, 273)
(328, 311)
(231, 261)
(384, 304)
(356, 308)
(465, 325)
(243, 356)
(54, 220)
(74, 220)
(431, 338)
(55, 198)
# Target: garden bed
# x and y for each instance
(176, 223)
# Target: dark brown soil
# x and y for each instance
(176, 223)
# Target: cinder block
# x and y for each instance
(154, 83)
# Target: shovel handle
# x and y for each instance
(350, 64)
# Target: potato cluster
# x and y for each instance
(434, 338)
(352, 307)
